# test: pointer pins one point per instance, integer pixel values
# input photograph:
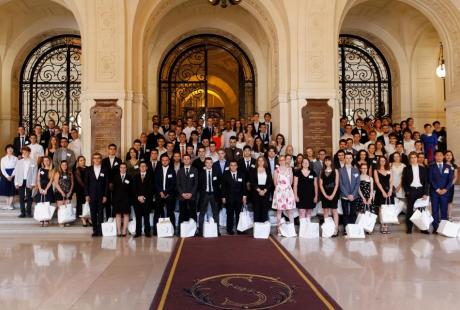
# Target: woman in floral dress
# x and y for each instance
(283, 196)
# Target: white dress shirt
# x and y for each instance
(36, 151)
(416, 177)
(97, 171)
(76, 147)
(8, 162)
(261, 178)
(165, 175)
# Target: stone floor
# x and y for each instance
(73, 271)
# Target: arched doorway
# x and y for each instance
(364, 78)
(50, 83)
(206, 75)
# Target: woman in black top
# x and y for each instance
(305, 189)
(329, 187)
(122, 198)
(80, 174)
(261, 182)
(384, 190)
(45, 183)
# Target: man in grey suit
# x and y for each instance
(319, 163)
(64, 153)
(187, 185)
(349, 187)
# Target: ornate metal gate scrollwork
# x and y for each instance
(365, 79)
(50, 83)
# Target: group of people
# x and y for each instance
(199, 167)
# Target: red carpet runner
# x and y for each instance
(237, 273)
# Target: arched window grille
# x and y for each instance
(50, 83)
(364, 78)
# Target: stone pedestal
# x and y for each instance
(105, 125)
(317, 125)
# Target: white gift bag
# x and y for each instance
(188, 229)
(319, 208)
(109, 228)
(262, 230)
(401, 205)
(223, 218)
(109, 243)
(66, 214)
(308, 229)
(165, 228)
(388, 214)
(42, 212)
(422, 219)
(85, 211)
(421, 203)
(287, 229)
(328, 228)
(132, 226)
(448, 229)
(339, 207)
(367, 221)
(210, 228)
(245, 221)
(355, 231)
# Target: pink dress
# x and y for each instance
(283, 196)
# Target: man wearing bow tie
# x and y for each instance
(187, 184)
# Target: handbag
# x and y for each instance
(449, 229)
(165, 228)
(210, 228)
(188, 229)
(388, 214)
(109, 228)
(132, 226)
(43, 210)
(86, 211)
(287, 229)
(367, 220)
(245, 221)
(328, 228)
(66, 213)
(401, 205)
(355, 231)
(422, 219)
(262, 230)
(421, 203)
(308, 229)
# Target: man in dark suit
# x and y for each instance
(349, 187)
(416, 185)
(233, 153)
(152, 138)
(143, 193)
(208, 131)
(210, 192)
(360, 129)
(187, 185)
(256, 123)
(246, 163)
(234, 194)
(198, 163)
(49, 132)
(268, 123)
(111, 164)
(272, 160)
(20, 141)
(263, 134)
(440, 177)
(65, 133)
(165, 184)
(96, 192)
(137, 146)
(385, 138)
(221, 165)
(153, 163)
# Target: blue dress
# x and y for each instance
(7, 187)
(429, 145)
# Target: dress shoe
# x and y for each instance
(199, 234)
(240, 232)
(426, 232)
(136, 236)
(96, 234)
(148, 235)
(231, 232)
(29, 215)
(22, 215)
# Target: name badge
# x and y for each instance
(42, 141)
(311, 177)
(68, 154)
(446, 170)
(169, 176)
(147, 150)
(363, 134)
(453, 169)
(115, 164)
(42, 172)
(126, 181)
(356, 175)
(26, 143)
(240, 180)
(136, 167)
(253, 166)
(237, 153)
(101, 174)
(64, 177)
(214, 178)
(192, 175)
(226, 168)
(374, 161)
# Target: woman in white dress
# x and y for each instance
(240, 141)
(8, 166)
(283, 196)
(397, 168)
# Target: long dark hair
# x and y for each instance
(323, 171)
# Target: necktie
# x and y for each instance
(186, 172)
(142, 177)
(209, 182)
(440, 168)
(154, 164)
(247, 164)
(234, 176)
(122, 178)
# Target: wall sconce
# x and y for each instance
(441, 68)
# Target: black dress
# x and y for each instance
(65, 183)
(385, 183)
(329, 185)
(122, 197)
(305, 189)
(44, 180)
(79, 188)
(365, 187)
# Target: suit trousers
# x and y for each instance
(413, 194)
(260, 206)
(349, 212)
(187, 210)
(233, 206)
(169, 203)
(97, 213)
(439, 203)
(142, 211)
(25, 197)
(205, 200)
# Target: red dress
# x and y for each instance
(218, 141)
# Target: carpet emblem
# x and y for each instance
(241, 291)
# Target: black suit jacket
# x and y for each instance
(253, 180)
(152, 140)
(150, 166)
(113, 170)
(59, 136)
(233, 190)
(408, 177)
(122, 191)
(364, 137)
(98, 188)
(198, 164)
(17, 144)
(187, 184)
(265, 140)
(170, 180)
(202, 184)
(207, 133)
(216, 167)
(143, 188)
(242, 166)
